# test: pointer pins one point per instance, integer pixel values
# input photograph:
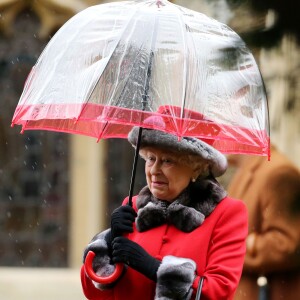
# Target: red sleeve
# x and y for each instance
(226, 252)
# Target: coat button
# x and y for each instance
(165, 239)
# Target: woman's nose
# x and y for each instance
(156, 168)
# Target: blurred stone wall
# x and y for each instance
(281, 70)
(34, 166)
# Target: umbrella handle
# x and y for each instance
(88, 264)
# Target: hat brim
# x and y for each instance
(187, 145)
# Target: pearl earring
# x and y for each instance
(193, 179)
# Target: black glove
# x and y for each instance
(122, 220)
(132, 254)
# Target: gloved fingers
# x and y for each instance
(121, 242)
(118, 222)
(123, 217)
(122, 220)
(126, 210)
(119, 257)
(135, 256)
(122, 248)
(123, 229)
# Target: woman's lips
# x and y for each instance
(158, 183)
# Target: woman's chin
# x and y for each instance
(159, 194)
(162, 195)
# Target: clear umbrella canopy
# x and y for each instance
(112, 66)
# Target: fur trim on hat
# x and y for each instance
(186, 213)
(102, 262)
(175, 277)
(187, 145)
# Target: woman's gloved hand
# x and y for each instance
(132, 254)
(122, 220)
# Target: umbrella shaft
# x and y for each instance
(199, 290)
(263, 293)
(134, 168)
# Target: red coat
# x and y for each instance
(217, 247)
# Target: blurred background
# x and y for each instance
(58, 190)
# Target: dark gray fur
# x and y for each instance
(186, 213)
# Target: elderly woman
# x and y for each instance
(182, 228)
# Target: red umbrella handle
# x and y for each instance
(88, 264)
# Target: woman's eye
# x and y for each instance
(150, 159)
(168, 161)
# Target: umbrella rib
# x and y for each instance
(149, 70)
(121, 94)
(147, 83)
(186, 54)
(101, 133)
(117, 43)
(144, 103)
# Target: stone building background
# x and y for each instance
(51, 183)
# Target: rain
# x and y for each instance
(52, 184)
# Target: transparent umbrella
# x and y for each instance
(113, 65)
(117, 65)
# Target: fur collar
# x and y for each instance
(186, 213)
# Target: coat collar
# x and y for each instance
(187, 212)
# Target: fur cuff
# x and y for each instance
(175, 278)
(101, 262)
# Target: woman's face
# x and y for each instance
(166, 176)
